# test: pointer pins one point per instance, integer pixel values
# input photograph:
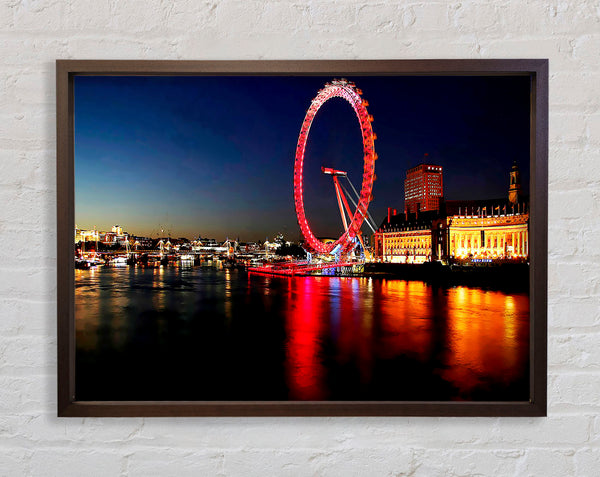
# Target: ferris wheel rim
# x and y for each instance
(348, 91)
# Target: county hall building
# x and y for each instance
(432, 228)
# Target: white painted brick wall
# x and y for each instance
(33, 33)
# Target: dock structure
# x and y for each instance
(301, 268)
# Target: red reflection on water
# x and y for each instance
(304, 368)
(476, 340)
(342, 336)
(351, 305)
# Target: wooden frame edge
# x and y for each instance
(69, 407)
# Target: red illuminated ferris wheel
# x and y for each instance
(348, 91)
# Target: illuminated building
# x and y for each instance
(86, 235)
(494, 229)
(405, 238)
(115, 236)
(491, 229)
(423, 188)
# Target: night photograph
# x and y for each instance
(302, 238)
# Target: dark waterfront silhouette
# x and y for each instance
(203, 333)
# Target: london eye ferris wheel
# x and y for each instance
(352, 228)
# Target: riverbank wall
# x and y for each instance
(505, 275)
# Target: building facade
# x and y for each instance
(502, 236)
(488, 230)
(405, 238)
(423, 188)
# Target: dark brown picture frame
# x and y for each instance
(536, 69)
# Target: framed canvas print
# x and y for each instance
(303, 238)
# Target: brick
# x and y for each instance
(185, 16)
(574, 313)
(565, 240)
(149, 16)
(29, 354)
(554, 17)
(42, 426)
(100, 47)
(561, 205)
(575, 388)
(581, 89)
(209, 42)
(6, 16)
(380, 18)
(98, 16)
(162, 461)
(574, 351)
(32, 87)
(461, 431)
(585, 51)
(244, 16)
(595, 437)
(24, 317)
(573, 279)
(587, 462)
(14, 462)
(432, 16)
(42, 15)
(476, 18)
(570, 168)
(28, 207)
(25, 50)
(592, 129)
(523, 433)
(331, 16)
(467, 462)
(547, 462)
(268, 462)
(27, 123)
(279, 17)
(21, 395)
(216, 433)
(33, 170)
(567, 128)
(418, 46)
(66, 461)
(362, 461)
(350, 462)
(589, 241)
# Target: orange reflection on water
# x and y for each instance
(406, 325)
(100, 300)
(488, 332)
(87, 309)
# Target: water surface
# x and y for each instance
(203, 333)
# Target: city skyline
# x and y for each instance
(214, 156)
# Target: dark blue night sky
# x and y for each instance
(214, 156)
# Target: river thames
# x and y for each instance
(207, 333)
